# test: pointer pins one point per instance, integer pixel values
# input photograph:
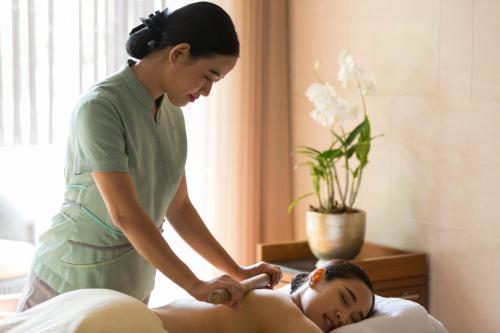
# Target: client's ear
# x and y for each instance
(316, 277)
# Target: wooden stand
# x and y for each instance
(394, 273)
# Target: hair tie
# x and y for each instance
(156, 23)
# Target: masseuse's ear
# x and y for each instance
(179, 53)
(316, 277)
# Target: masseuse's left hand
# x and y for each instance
(247, 272)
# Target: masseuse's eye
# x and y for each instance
(208, 79)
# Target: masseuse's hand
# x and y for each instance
(202, 289)
(247, 272)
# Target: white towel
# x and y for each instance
(396, 315)
(86, 311)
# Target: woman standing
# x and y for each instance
(125, 168)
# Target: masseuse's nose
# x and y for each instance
(205, 90)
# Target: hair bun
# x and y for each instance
(297, 281)
(156, 24)
(148, 35)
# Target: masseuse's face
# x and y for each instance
(189, 79)
(335, 303)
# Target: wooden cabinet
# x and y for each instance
(394, 273)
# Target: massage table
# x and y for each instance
(108, 311)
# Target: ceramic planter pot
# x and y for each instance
(335, 236)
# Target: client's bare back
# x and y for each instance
(261, 311)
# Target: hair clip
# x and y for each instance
(156, 22)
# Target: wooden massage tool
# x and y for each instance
(219, 296)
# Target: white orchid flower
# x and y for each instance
(344, 111)
(324, 98)
(329, 109)
(323, 118)
(320, 94)
(346, 60)
(347, 69)
(367, 86)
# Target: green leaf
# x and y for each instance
(365, 133)
(339, 138)
(309, 154)
(351, 151)
(363, 149)
(355, 132)
(296, 201)
(310, 149)
(356, 172)
(362, 153)
(355, 147)
(331, 154)
(308, 164)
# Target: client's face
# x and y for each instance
(335, 303)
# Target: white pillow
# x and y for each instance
(392, 315)
(396, 315)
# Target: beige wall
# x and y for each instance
(433, 182)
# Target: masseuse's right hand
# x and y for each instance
(202, 289)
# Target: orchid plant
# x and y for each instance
(349, 148)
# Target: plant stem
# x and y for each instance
(362, 97)
(338, 183)
(319, 198)
(346, 173)
(328, 191)
(332, 186)
(357, 187)
(352, 191)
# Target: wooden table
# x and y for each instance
(393, 272)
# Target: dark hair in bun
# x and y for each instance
(206, 27)
(337, 269)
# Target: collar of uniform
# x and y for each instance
(136, 87)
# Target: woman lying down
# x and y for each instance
(335, 295)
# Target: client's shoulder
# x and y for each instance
(271, 301)
(270, 307)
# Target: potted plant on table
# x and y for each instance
(335, 228)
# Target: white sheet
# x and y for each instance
(396, 315)
(86, 311)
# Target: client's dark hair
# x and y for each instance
(338, 269)
(206, 27)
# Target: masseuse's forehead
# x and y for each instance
(219, 65)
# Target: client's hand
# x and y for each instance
(247, 272)
(202, 289)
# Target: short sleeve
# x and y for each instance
(98, 138)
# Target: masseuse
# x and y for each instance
(125, 168)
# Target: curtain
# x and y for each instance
(51, 51)
(250, 128)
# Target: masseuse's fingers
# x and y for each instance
(235, 290)
(262, 267)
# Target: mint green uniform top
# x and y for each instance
(112, 130)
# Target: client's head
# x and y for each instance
(337, 294)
